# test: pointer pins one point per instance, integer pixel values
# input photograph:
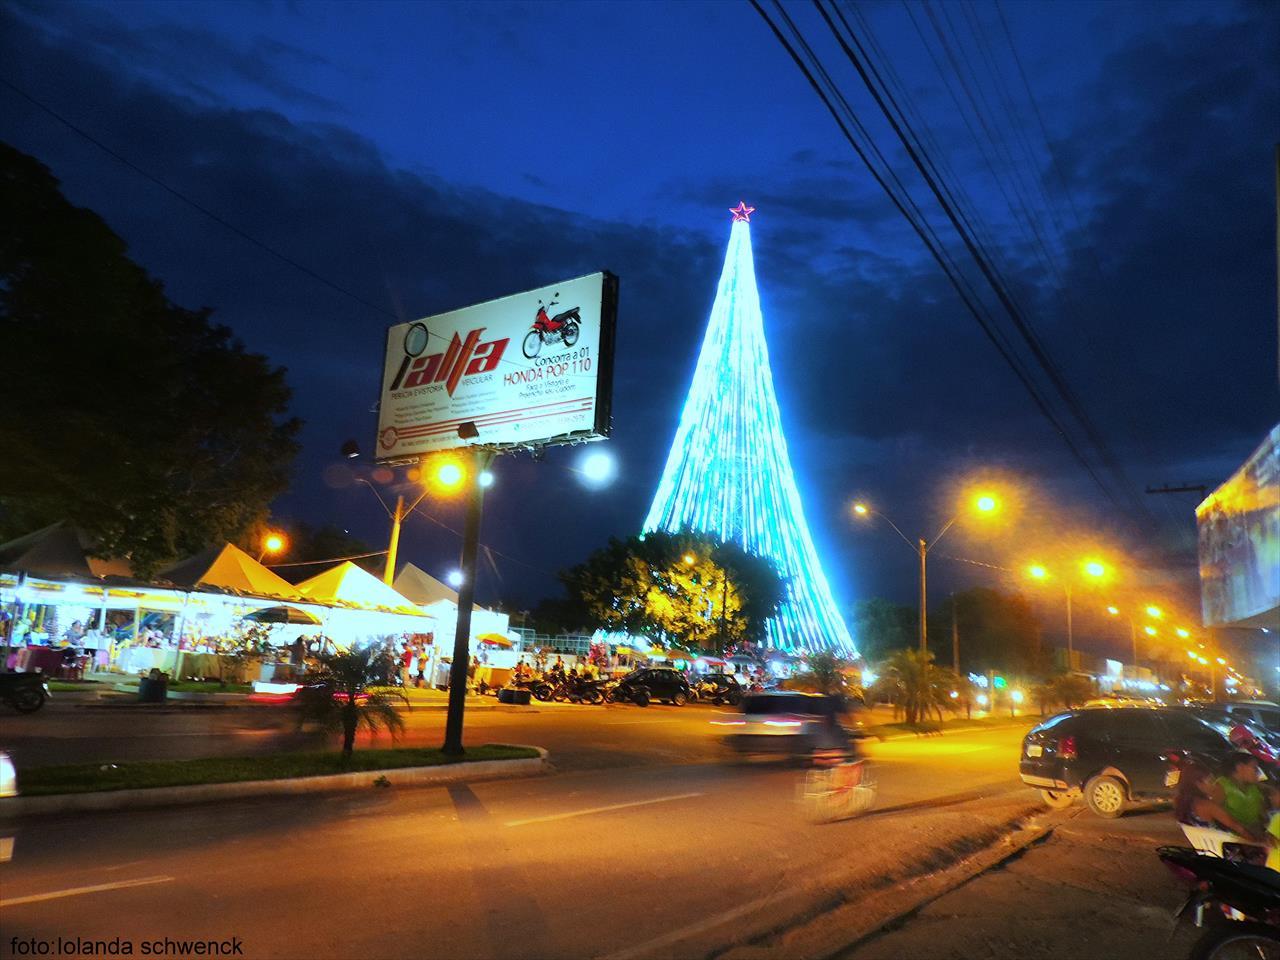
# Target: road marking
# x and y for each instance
(78, 891)
(624, 723)
(591, 810)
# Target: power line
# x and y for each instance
(1021, 324)
(921, 230)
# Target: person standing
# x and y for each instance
(406, 664)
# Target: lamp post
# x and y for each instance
(446, 476)
(984, 503)
(1090, 570)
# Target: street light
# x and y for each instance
(272, 543)
(1150, 631)
(597, 468)
(1091, 570)
(1154, 612)
(1182, 633)
(984, 503)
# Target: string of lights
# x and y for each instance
(728, 472)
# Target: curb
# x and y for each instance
(848, 925)
(329, 783)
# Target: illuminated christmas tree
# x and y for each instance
(729, 474)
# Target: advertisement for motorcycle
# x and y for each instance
(530, 369)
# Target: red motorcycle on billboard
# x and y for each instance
(561, 328)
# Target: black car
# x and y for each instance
(663, 683)
(1113, 755)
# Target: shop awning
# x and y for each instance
(229, 568)
(349, 585)
(59, 550)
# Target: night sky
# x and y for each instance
(428, 156)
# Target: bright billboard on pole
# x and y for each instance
(527, 370)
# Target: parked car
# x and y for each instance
(784, 724)
(663, 683)
(1113, 756)
(1262, 712)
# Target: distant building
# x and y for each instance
(1239, 532)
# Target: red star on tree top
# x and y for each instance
(742, 212)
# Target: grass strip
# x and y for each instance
(146, 774)
(955, 723)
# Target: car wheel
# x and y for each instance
(640, 698)
(1106, 796)
(1057, 799)
(679, 700)
(733, 699)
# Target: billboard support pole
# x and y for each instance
(480, 461)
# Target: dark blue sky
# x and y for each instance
(426, 156)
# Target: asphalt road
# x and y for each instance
(644, 834)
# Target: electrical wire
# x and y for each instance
(992, 334)
(1021, 324)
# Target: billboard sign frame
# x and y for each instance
(479, 377)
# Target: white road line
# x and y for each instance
(78, 891)
(625, 723)
(612, 806)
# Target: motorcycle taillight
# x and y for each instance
(1067, 748)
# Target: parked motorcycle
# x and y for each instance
(562, 328)
(1237, 905)
(25, 692)
(583, 690)
(623, 692)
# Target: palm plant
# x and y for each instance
(337, 697)
(917, 687)
(824, 673)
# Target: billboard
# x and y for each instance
(527, 370)
(1239, 531)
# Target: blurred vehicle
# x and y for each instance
(1262, 712)
(719, 688)
(1113, 756)
(8, 778)
(25, 692)
(1237, 904)
(661, 683)
(788, 724)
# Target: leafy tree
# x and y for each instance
(823, 672)
(337, 697)
(140, 421)
(998, 631)
(916, 686)
(881, 626)
(683, 588)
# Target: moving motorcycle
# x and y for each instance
(1237, 904)
(25, 692)
(563, 328)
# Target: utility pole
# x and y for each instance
(480, 460)
(1071, 660)
(393, 546)
(923, 547)
(955, 637)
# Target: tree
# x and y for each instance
(998, 631)
(337, 697)
(823, 672)
(683, 588)
(881, 626)
(140, 421)
(916, 686)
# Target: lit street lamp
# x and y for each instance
(983, 503)
(1091, 570)
(272, 543)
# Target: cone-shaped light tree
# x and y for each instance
(728, 472)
